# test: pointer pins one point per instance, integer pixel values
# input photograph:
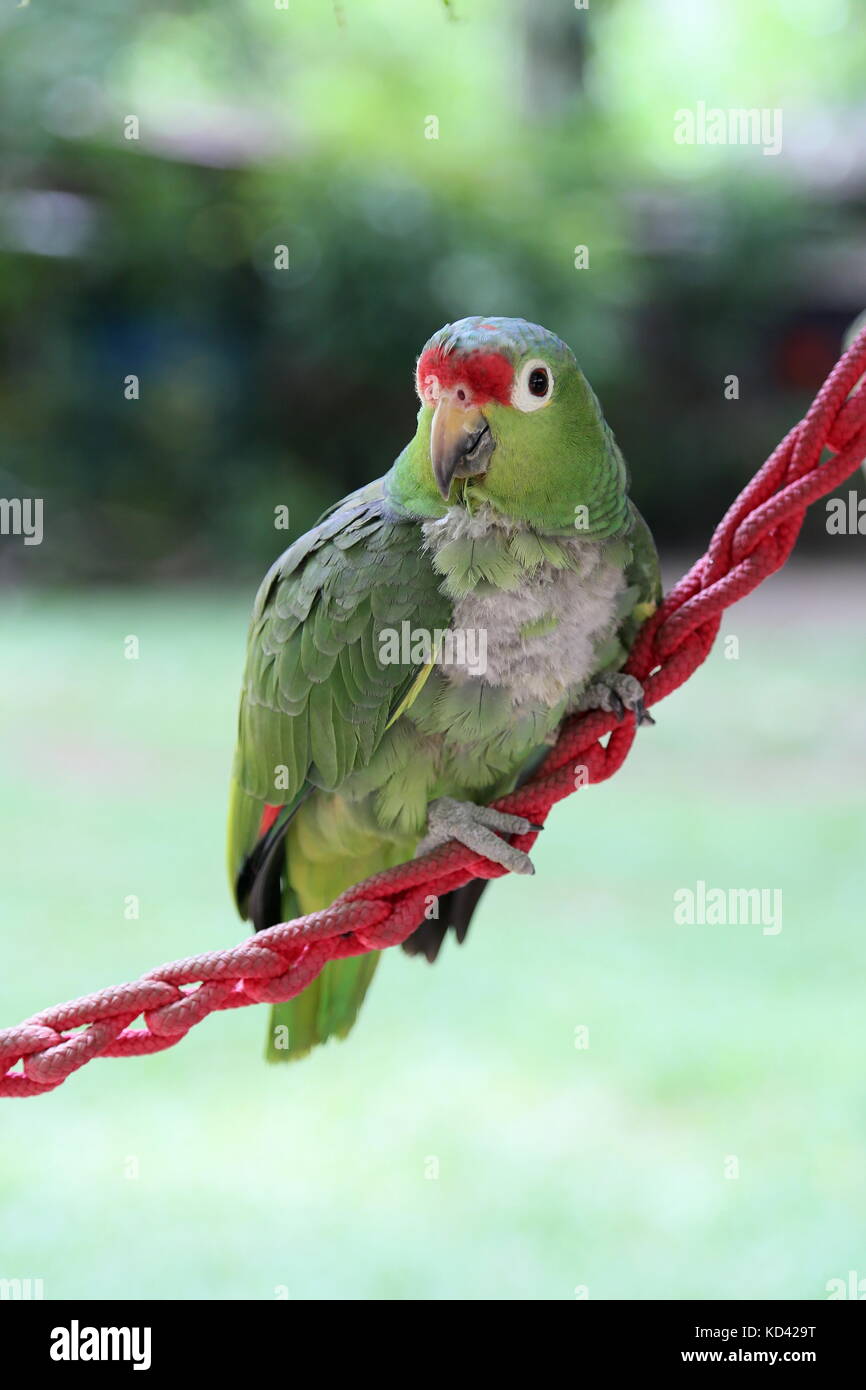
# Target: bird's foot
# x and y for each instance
(476, 827)
(616, 692)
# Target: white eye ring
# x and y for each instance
(521, 396)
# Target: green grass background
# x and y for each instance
(557, 1167)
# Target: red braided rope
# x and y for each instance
(752, 541)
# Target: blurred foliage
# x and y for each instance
(260, 127)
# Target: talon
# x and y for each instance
(618, 694)
(642, 713)
(476, 828)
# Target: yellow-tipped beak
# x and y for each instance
(460, 442)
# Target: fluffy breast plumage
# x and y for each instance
(541, 634)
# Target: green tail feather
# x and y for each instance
(325, 1009)
(329, 1006)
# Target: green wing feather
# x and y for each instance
(315, 706)
(643, 578)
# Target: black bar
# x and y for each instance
(222, 1339)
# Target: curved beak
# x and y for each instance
(460, 442)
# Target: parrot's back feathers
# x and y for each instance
(317, 699)
(315, 707)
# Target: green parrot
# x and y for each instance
(411, 658)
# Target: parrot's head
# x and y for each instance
(507, 418)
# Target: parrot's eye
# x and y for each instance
(534, 386)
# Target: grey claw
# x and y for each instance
(618, 694)
(501, 820)
(643, 715)
(476, 827)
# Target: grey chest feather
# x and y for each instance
(541, 639)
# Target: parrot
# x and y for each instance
(411, 658)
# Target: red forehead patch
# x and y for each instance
(486, 375)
